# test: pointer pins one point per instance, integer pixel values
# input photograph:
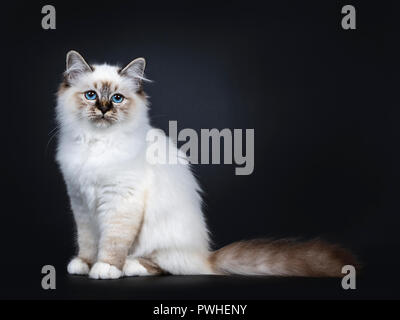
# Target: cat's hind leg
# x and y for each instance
(183, 261)
(140, 267)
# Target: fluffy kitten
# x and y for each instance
(134, 218)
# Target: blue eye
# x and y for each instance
(117, 98)
(90, 95)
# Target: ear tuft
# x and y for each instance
(135, 71)
(75, 65)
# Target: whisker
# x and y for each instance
(54, 132)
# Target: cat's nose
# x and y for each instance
(104, 107)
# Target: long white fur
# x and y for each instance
(105, 169)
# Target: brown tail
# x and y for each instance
(314, 258)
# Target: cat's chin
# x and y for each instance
(101, 122)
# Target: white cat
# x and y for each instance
(134, 218)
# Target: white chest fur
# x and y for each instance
(92, 166)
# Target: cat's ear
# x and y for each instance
(75, 65)
(135, 71)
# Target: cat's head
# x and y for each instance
(101, 95)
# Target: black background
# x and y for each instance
(322, 101)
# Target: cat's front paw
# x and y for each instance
(102, 270)
(78, 266)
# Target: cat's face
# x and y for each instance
(101, 95)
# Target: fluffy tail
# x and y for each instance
(314, 258)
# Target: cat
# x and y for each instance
(134, 218)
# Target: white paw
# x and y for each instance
(132, 267)
(77, 266)
(102, 270)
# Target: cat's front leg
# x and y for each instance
(119, 222)
(86, 239)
